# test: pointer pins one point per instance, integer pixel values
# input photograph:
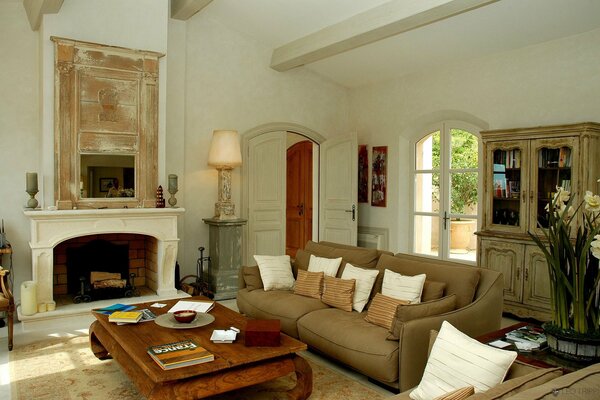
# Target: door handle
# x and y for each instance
(353, 211)
(300, 208)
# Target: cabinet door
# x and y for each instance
(555, 162)
(507, 258)
(536, 291)
(505, 185)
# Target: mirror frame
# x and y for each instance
(84, 73)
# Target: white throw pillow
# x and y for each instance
(456, 361)
(365, 279)
(329, 266)
(403, 287)
(275, 272)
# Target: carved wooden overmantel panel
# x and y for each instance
(106, 103)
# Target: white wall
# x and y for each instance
(229, 85)
(19, 127)
(551, 83)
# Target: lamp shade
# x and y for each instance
(225, 149)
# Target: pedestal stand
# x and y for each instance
(225, 249)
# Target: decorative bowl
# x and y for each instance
(184, 316)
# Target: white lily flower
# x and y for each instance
(592, 202)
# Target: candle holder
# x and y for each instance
(172, 199)
(32, 203)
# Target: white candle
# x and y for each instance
(172, 182)
(51, 306)
(42, 307)
(32, 182)
(28, 298)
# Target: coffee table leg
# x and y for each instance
(97, 348)
(304, 384)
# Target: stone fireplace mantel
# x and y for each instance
(49, 228)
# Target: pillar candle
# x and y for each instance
(172, 182)
(42, 307)
(28, 298)
(32, 182)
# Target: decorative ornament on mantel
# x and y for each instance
(31, 180)
(160, 200)
(574, 331)
(172, 190)
(224, 155)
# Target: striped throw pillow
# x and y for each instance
(338, 292)
(458, 394)
(309, 284)
(403, 287)
(383, 309)
(456, 361)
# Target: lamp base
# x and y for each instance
(224, 210)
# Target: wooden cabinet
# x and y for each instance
(522, 168)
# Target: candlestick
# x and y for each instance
(172, 189)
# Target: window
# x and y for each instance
(446, 187)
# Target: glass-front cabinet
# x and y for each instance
(522, 170)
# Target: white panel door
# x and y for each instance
(266, 191)
(339, 190)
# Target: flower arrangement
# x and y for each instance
(573, 261)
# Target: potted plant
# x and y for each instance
(572, 259)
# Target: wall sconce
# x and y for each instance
(224, 155)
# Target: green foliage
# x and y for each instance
(465, 150)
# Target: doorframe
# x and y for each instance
(251, 134)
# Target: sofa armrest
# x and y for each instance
(483, 315)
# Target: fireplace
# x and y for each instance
(50, 230)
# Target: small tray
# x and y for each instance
(168, 321)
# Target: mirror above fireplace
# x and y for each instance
(106, 126)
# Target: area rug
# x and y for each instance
(66, 369)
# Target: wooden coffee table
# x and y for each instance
(235, 365)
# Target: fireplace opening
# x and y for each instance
(104, 266)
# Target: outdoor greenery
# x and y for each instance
(464, 152)
(573, 263)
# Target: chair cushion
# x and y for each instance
(277, 304)
(513, 386)
(365, 350)
(252, 278)
(433, 290)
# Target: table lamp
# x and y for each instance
(224, 155)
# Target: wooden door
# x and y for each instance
(299, 196)
(338, 192)
(506, 258)
(536, 290)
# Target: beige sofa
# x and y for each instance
(361, 345)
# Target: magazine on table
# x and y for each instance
(528, 338)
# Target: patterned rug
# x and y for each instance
(66, 369)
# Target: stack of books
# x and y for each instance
(527, 338)
(179, 354)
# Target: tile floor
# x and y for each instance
(71, 326)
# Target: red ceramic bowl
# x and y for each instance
(184, 316)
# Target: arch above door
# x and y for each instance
(253, 133)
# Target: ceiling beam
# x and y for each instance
(389, 19)
(36, 9)
(184, 9)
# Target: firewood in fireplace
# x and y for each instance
(102, 280)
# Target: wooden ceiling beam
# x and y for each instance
(378, 23)
(184, 9)
(36, 9)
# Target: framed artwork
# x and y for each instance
(363, 174)
(107, 183)
(379, 177)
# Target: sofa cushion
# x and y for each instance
(383, 309)
(252, 278)
(277, 304)
(460, 280)
(456, 361)
(329, 266)
(458, 394)
(300, 261)
(433, 290)
(347, 337)
(513, 386)
(365, 278)
(420, 310)
(275, 272)
(578, 385)
(338, 292)
(309, 284)
(403, 287)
